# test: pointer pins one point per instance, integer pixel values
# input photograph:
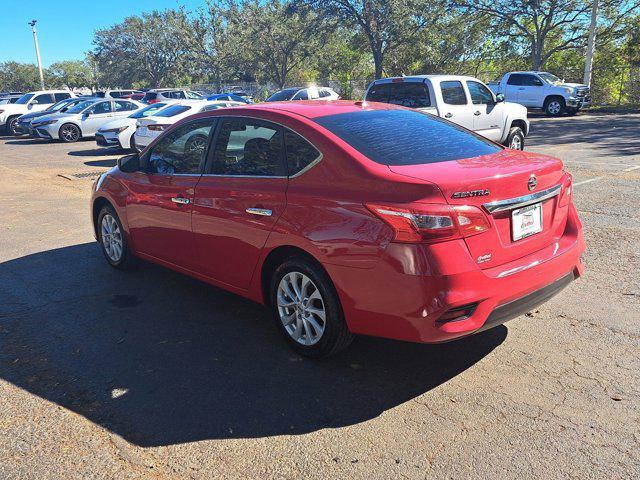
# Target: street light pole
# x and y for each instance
(35, 41)
(590, 44)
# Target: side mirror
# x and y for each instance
(129, 163)
(64, 109)
(87, 114)
(30, 106)
(499, 98)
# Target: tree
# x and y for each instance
(72, 73)
(386, 24)
(20, 77)
(151, 49)
(546, 27)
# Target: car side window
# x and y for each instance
(61, 96)
(102, 107)
(302, 95)
(182, 150)
(515, 79)
(531, 81)
(124, 106)
(480, 95)
(300, 153)
(43, 99)
(248, 147)
(453, 93)
(193, 96)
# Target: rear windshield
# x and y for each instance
(405, 137)
(173, 111)
(148, 111)
(149, 96)
(283, 95)
(407, 94)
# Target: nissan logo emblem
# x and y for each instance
(533, 182)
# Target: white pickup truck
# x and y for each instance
(462, 100)
(544, 91)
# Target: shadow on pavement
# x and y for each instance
(159, 358)
(95, 152)
(611, 135)
(102, 163)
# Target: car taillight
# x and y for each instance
(567, 191)
(431, 222)
(157, 127)
(152, 101)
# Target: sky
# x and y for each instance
(65, 29)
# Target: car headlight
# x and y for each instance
(115, 130)
(569, 89)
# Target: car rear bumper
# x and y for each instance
(411, 288)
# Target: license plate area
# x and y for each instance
(526, 221)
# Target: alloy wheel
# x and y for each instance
(516, 143)
(111, 238)
(13, 126)
(554, 107)
(301, 308)
(69, 133)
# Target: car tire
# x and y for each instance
(196, 144)
(554, 107)
(298, 313)
(12, 126)
(515, 139)
(69, 133)
(113, 240)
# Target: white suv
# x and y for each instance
(300, 93)
(167, 94)
(29, 102)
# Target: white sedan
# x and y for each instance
(119, 132)
(83, 120)
(151, 127)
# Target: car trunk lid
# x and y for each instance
(499, 184)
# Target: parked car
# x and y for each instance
(543, 90)
(23, 126)
(232, 97)
(29, 102)
(347, 219)
(164, 94)
(301, 93)
(117, 93)
(119, 132)
(83, 120)
(462, 100)
(151, 127)
(10, 98)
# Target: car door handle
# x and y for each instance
(448, 115)
(476, 113)
(521, 88)
(259, 211)
(180, 200)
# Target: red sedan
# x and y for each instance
(347, 218)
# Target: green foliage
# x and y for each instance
(20, 77)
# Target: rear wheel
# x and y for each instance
(307, 310)
(113, 240)
(515, 140)
(69, 133)
(554, 107)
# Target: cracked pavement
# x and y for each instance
(151, 374)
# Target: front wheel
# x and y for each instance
(515, 140)
(12, 126)
(554, 107)
(113, 240)
(69, 133)
(307, 310)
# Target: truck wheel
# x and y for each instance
(554, 107)
(515, 140)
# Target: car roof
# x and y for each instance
(39, 92)
(422, 78)
(312, 108)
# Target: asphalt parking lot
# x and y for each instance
(105, 374)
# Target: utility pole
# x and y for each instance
(591, 41)
(35, 41)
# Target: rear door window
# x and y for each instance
(406, 94)
(405, 137)
(43, 99)
(124, 106)
(61, 96)
(453, 93)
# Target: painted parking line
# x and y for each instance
(594, 179)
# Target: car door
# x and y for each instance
(239, 200)
(487, 114)
(160, 204)
(455, 104)
(96, 116)
(512, 88)
(531, 91)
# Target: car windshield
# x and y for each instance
(173, 110)
(282, 95)
(549, 77)
(81, 106)
(61, 104)
(24, 98)
(405, 137)
(147, 111)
